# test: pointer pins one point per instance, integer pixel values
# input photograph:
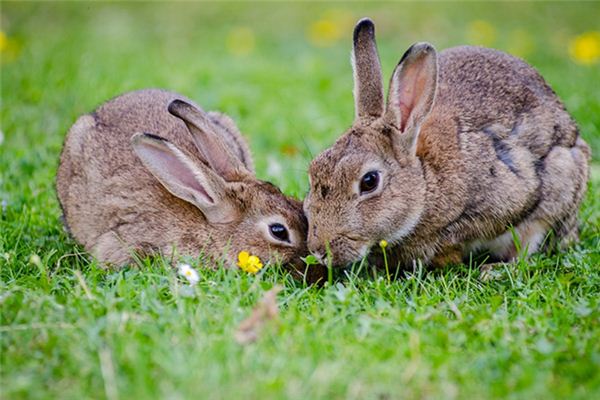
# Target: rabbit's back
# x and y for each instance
(506, 151)
(485, 87)
(103, 187)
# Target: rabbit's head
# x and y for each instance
(369, 185)
(238, 211)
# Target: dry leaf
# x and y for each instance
(266, 310)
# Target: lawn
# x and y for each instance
(71, 330)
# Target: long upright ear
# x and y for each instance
(368, 86)
(236, 141)
(196, 184)
(211, 147)
(412, 90)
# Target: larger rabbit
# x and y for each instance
(470, 143)
(148, 172)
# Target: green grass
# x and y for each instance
(71, 330)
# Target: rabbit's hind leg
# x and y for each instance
(111, 251)
(564, 174)
(524, 240)
(553, 223)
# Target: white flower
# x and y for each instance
(1, 137)
(188, 273)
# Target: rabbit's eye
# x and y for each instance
(279, 232)
(369, 182)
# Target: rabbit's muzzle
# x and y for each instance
(337, 250)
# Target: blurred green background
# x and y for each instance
(282, 71)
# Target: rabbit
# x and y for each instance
(149, 172)
(471, 147)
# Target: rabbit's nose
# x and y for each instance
(316, 246)
(320, 256)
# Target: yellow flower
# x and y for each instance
(585, 48)
(324, 33)
(248, 263)
(3, 41)
(241, 41)
(481, 33)
(333, 25)
(9, 48)
(383, 244)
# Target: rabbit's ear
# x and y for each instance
(211, 146)
(182, 177)
(412, 89)
(368, 86)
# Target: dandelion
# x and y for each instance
(241, 41)
(585, 48)
(249, 263)
(384, 244)
(188, 273)
(324, 33)
(9, 48)
(3, 41)
(330, 28)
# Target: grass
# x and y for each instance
(71, 330)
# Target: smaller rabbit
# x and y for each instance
(149, 172)
(470, 143)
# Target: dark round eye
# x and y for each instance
(279, 232)
(369, 182)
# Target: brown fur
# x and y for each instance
(115, 207)
(497, 149)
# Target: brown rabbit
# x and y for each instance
(470, 143)
(124, 189)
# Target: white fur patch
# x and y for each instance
(408, 227)
(530, 234)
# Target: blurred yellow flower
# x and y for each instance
(241, 41)
(585, 48)
(248, 263)
(481, 33)
(324, 33)
(9, 48)
(331, 27)
(383, 244)
(3, 41)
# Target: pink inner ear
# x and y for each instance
(187, 178)
(404, 111)
(174, 171)
(220, 160)
(411, 87)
